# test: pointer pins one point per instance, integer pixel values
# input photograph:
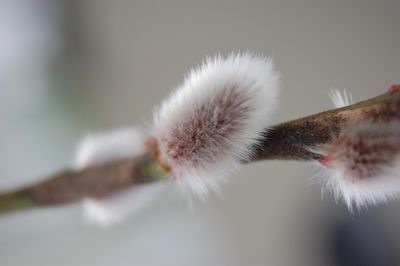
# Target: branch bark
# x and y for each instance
(93, 182)
(292, 140)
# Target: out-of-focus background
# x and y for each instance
(78, 66)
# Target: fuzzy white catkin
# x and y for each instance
(115, 209)
(340, 98)
(106, 147)
(206, 129)
(210, 124)
(362, 164)
(100, 148)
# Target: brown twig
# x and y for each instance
(94, 182)
(286, 141)
(292, 140)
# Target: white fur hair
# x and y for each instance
(210, 124)
(341, 98)
(100, 148)
(115, 209)
(363, 163)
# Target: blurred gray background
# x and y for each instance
(71, 67)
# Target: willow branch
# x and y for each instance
(286, 141)
(93, 182)
(292, 140)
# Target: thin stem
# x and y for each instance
(15, 201)
(95, 182)
(292, 140)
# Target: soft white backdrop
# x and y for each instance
(95, 65)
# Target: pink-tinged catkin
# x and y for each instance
(204, 135)
(208, 126)
(363, 162)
